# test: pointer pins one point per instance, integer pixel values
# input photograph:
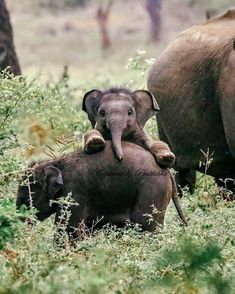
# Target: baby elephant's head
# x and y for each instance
(38, 187)
(116, 113)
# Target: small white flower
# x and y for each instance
(77, 136)
(150, 61)
(140, 52)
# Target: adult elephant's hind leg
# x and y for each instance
(185, 178)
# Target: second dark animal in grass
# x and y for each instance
(138, 188)
(120, 115)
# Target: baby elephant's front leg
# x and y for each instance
(162, 154)
(93, 141)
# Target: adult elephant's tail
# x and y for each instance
(176, 200)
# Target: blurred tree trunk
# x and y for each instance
(8, 55)
(154, 10)
(102, 16)
(52, 4)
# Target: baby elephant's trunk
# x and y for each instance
(116, 134)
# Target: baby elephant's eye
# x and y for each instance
(130, 112)
(102, 113)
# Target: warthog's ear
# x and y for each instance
(146, 106)
(90, 104)
(53, 181)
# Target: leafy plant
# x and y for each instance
(192, 265)
(111, 260)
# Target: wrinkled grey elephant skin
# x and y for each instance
(193, 81)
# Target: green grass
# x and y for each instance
(198, 259)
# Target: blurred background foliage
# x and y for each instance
(47, 38)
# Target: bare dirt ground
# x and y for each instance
(47, 40)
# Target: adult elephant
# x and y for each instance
(193, 81)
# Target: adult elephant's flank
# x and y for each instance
(194, 82)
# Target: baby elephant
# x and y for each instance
(118, 114)
(105, 189)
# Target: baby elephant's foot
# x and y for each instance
(93, 142)
(165, 159)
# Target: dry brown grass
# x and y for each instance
(47, 40)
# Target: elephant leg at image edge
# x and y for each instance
(227, 100)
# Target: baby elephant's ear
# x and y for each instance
(53, 180)
(90, 104)
(146, 106)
